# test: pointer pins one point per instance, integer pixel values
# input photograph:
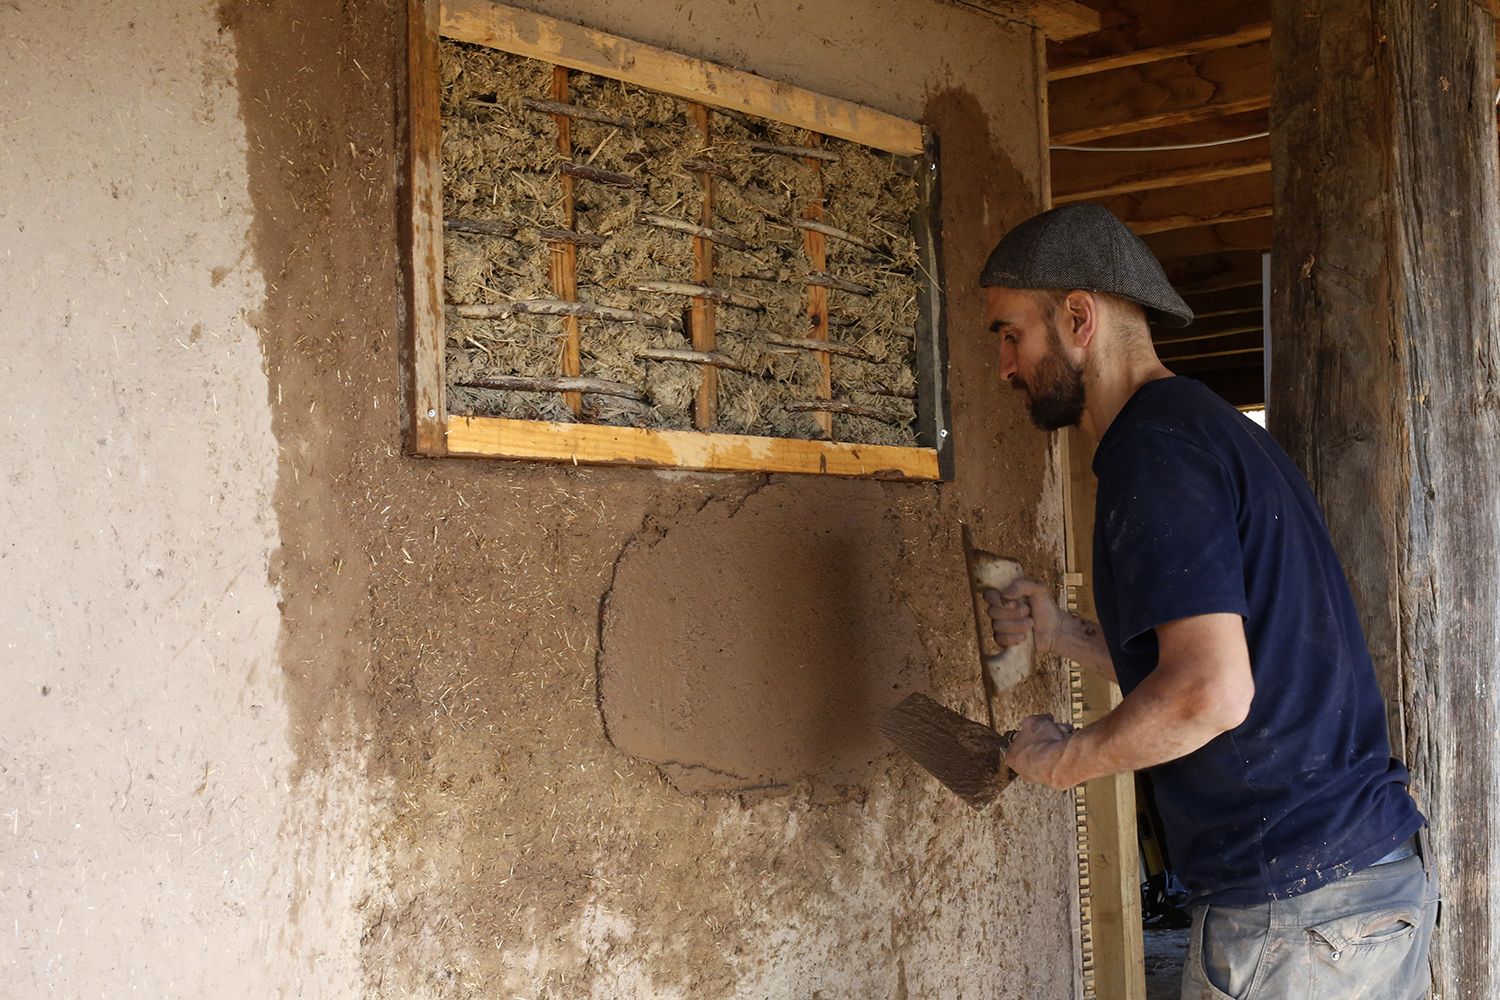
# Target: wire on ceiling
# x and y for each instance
(1162, 149)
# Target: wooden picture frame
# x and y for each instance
(429, 430)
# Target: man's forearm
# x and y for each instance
(1159, 721)
(1082, 642)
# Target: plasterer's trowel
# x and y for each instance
(965, 756)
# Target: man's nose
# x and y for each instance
(1008, 366)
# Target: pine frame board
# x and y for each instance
(562, 43)
(603, 444)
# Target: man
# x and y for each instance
(1226, 619)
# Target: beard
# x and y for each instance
(1054, 396)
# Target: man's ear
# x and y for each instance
(1084, 316)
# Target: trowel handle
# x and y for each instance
(1004, 666)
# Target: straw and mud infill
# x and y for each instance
(636, 162)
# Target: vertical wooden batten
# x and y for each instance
(1384, 386)
(815, 245)
(702, 317)
(426, 395)
(564, 262)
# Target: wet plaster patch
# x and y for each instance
(755, 645)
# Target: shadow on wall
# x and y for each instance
(755, 646)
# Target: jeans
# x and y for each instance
(1364, 937)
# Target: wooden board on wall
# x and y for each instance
(1113, 850)
(565, 44)
(595, 444)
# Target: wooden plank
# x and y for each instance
(1058, 19)
(1111, 845)
(1129, 26)
(1238, 345)
(497, 437)
(563, 264)
(427, 398)
(1080, 176)
(1216, 203)
(1384, 382)
(1238, 299)
(702, 316)
(1206, 330)
(1193, 275)
(1224, 82)
(815, 246)
(1250, 234)
(1172, 50)
(562, 43)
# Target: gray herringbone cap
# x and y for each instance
(1085, 247)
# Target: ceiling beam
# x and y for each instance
(1253, 234)
(1133, 25)
(1238, 345)
(1057, 19)
(1206, 329)
(1172, 50)
(1194, 275)
(1177, 91)
(1225, 300)
(1090, 176)
(1233, 200)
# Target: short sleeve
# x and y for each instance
(1168, 520)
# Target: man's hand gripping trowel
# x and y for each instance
(967, 757)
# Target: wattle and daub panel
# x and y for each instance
(619, 257)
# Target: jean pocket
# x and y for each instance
(1363, 954)
(1371, 931)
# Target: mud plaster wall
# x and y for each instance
(330, 713)
(153, 841)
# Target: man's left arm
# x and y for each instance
(1201, 688)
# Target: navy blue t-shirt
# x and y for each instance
(1200, 511)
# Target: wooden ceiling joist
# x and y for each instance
(1254, 234)
(1109, 179)
(1057, 19)
(1206, 328)
(1240, 298)
(1249, 342)
(1233, 200)
(1132, 25)
(1172, 50)
(1177, 91)
(1192, 276)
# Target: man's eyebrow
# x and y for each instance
(997, 325)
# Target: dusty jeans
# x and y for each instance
(1364, 937)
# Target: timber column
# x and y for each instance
(1386, 390)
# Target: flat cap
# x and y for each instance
(1084, 246)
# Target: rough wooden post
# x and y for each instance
(1386, 389)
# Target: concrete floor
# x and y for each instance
(1166, 950)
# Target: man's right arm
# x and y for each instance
(1026, 606)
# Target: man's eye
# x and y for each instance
(1010, 338)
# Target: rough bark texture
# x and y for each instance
(1384, 388)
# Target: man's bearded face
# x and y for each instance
(1054, 393)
